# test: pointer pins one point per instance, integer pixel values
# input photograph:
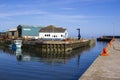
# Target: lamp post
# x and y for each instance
(79, 36)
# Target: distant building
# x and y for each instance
(26, 31)
(3, 35)
(53, 33)
(12, 33)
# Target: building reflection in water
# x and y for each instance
(19, 54)
(34, 55)
(22, 57)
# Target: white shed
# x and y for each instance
(53, 33)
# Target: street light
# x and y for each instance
(79, 36)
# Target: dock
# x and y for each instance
(105, 67)
(107, 38)
(57, 46)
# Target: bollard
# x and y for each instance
(113, 39)
(104, 52)
(110, 43)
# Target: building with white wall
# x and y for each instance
(53, 33)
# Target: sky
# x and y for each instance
(93, 17)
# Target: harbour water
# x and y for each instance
(31, 65)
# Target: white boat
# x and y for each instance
(17, 44)
(19, 54)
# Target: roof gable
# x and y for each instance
(29, 26)
(13, 29)
(52, 28)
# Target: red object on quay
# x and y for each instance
(105, 52)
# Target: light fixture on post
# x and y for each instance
(79, 36)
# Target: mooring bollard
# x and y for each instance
(113, 39)
(104, 52)
(110, 43)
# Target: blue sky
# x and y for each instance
(93, 17)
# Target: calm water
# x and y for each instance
(26, 65)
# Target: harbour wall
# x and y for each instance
(106, 66)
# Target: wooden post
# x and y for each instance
(64, 48)
(50, 47)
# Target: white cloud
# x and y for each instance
(18, 13)
(60, 18)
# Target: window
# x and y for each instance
(47, 35)
(12, 33)
(55, 36)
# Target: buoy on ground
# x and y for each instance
(104, 52)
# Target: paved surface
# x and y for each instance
(105, 67)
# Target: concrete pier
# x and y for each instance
(57, 46)
(107, 38)
(105, 67)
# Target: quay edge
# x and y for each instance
(57, 46)
(107, 38)
(52, 46)
(105, 67)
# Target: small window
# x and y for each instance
(55, 36)
(13, 33)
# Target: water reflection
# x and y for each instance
(35, 65)
(19, 54)
(35, 55)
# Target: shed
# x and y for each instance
(28, 31)
(52, 32)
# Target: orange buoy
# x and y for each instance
(104, 52)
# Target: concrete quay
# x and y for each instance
(105, 67)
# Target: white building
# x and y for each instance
(53, 33)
